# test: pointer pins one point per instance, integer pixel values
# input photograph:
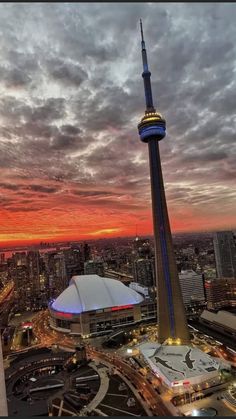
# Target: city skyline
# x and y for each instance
(71, 96)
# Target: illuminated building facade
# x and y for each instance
(192, 287)
(220, 293)
(171, 312)
(33, 265)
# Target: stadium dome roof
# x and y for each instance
(92, 292)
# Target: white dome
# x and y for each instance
(92, 292)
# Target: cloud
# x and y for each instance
(72, 96)
(66, 73)
(44, 189)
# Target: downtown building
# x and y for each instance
(220, 293)
(94, 267)
(192, 288)
(56, 273)
(144, 272)
(28, 274)
(225, 254)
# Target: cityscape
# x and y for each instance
(118, 228)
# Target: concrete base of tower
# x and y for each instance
(182, 368)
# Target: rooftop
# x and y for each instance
(93, 292)
(178, 362)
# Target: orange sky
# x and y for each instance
(80, 223)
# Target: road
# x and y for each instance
(202, 328)
(145, 389)
(219, 348)
(6, 302)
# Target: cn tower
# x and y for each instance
(173, 327)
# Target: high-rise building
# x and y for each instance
(171, 311)
(225, 254)
(19, 258)
(74, 262)
(56, 271)
(86, 252)
(220, 293)
(33, 265)
(93, 267)
(144, 272)
(19, 274)
(192, 288)
(142, 248)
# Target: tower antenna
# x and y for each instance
(146, 74)
(141, 28)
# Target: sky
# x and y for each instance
(71, 95)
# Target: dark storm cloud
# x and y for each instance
(83, 64)
(66, 73)
(63, 142)
(95, 193)
(9, 186)
(14, 77)
(70, 129)
(52, 109)
(44, 189)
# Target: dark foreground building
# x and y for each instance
(171, 312)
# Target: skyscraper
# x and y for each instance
(144, 272)
(171, 312)
(33, 265)
(192, 288)
(225, 254)
(56, 271)
(93, 267)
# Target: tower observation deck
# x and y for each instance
(173, 325)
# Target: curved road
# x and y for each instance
(145, 389)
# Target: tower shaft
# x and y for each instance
(171, 311)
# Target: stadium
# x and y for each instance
(92, 305)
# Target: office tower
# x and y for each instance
(33, 266)
(19, 274)
(171, 311)
(56, 272)
(86, 252)
(144, 272)
(220, 293)
(192, 288)
(19, 258)
(94, 268)
(225, 254)
(74, 262)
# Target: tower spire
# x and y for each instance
(146, 74)
(141, 28)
